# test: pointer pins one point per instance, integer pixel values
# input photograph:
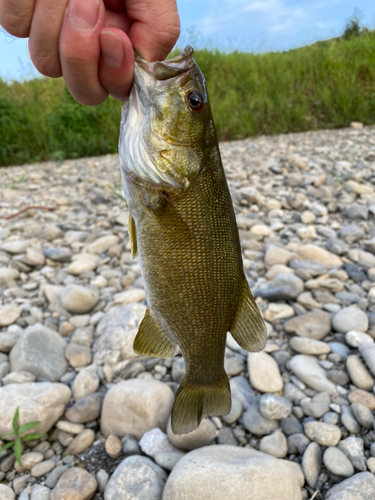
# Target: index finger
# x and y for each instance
(155, 28)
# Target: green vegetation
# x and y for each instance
(325, 85)
(17, 431)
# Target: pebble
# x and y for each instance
(168, 459)
(242, 391)
(308, 370)
(43, 468)
(364, 397)
(367, 351)
(358, 373)
(264, 373)
(274, 407)
(136, 477)
(81, 442)
(363, 415)
(28, 460)
(350, 318)
(254, 422)
(311, 463)
(320, 255)
(322, 433)
(86, 382)
(86, 409)
(113, 446)
(78, 299)
(337, 463)
(40, 351)
(349, 421)
(135, 407)
(78, 355)
(75, 483)
(155, 441)
(354, 338)
(6, 493)
(83, 263)
(314, 325)
(276, 312)
(304, 345)
(235, 412)
(38, 492)
(358, 487)
(275, 444)
(102, 477)
(55, 475)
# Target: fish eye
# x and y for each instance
(196, 101)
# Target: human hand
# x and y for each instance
(90, 42)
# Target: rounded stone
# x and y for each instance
(337, 463)
(28, 460)
(311, 463)
(81, 442)
(136, 406)
(358, 487)
(136, 477)
(322, 433)
(75, 483)
(86, 409)
(86, 382)
(363, 415)
(354, 338)
(202, 436)
(78, 355)
(350, 318)
(217, 469)
(113, 446)
(78, 299)
(43, 468)
(308, 370)
(6, 493)
(304, 345)
(274, 407)
(264, 372)
(358, 373)
(9, 315)
(82, 263)
(275, 444)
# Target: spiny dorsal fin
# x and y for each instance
(248, 327)
(133, 237)
(151, 339)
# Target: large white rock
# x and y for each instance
(44, 402)
(136, 406)
(116, 332)
(264, 372)
(223, 472)
(307, 368)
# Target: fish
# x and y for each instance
(182, 226)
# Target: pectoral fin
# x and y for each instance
(133, 237)
(248, 328)
(151, 339)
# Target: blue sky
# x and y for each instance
(253, 25)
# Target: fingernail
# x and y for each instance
(83, 14)
(112, 49)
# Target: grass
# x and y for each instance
(325, 85)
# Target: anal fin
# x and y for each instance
(133, 237)
(151, 339)
(248, 328)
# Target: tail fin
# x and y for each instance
(196, 401)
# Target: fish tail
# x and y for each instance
(195, 401)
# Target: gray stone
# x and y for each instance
(18, 378)
(337, 463)
(38, 492)
(264, 373)
(304, 345)
(358, 373)
(75, 483)
(86, 382)
(314, 325)
(135, 407)
(314, 268)
(363, 415)
(354, 338)
(78, 299)
(235, 412)
(275, 444)
(351, 233)
(274, 407)
(86, 409)
(339, 348)
(55, 475)
(308, 370)
(348, 420)
(256, 423)
(44, 402)
(178, 369)
(290, 425)
(297, 443)
(217, 468)
(311, 463)
(284, 286)
(358, 487)
(367, 351)
(322, 433)
(242, 391)
(58, 254)
(168, 459)
(356, 211)
(350, 318)
(40, 351)
(78, 355)
(116, 332)
(155, 441)
(136, 477)
(102, 477)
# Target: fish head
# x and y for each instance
(165, 121)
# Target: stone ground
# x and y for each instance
(71, 300)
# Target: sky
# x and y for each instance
(256, 26)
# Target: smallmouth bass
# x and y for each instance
(183, 227)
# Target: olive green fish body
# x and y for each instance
(183, 228)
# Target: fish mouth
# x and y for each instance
(171, 68)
